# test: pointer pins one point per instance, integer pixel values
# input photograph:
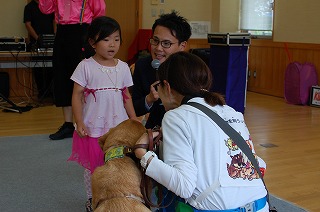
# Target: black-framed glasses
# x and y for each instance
(164, 43)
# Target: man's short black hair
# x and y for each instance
(178, 25)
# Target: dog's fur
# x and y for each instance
(119, 177)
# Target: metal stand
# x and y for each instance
(14, 107)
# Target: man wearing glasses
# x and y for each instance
(170, 34)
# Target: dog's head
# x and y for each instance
(126, 133)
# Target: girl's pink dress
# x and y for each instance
(103, 107)
(87, 152)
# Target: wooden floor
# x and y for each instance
(286, 136)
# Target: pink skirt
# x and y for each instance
(87, 152)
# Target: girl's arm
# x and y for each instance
(77, 108)
(128, 105)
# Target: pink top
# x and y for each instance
(70, 11)
(103, 106)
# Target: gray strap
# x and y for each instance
(206, 192)
(234, 135)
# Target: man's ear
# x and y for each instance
(183, 45)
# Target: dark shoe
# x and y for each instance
(64, 131)
(89, 205)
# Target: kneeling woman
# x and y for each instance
(201, 164)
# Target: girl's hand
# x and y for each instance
(144, 139)
(81, 130)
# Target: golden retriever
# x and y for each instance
(116, 184)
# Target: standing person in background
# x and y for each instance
(170, 34)
(36, 24)
(100, 99)
(70, 47)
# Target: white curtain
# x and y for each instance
(256, 15)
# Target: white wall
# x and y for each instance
(298, 21)
(11, 21)
(222, 14)
(193, 10)
(294, 22)
(229, 15)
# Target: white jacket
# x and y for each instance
(197, 154)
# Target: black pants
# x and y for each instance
(70, 47)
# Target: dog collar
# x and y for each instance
(117, 152)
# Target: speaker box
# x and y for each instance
(4, 84)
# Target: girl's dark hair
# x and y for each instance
(178, 25)
(101, 27)
(189, 75)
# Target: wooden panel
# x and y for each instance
(126, 12)
(21, 82)
(268, 60)
(197, 43)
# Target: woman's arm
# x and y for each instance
(178, 172)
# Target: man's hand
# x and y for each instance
(153, 95)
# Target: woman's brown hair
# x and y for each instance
(190, 76)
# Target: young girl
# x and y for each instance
(100, 98)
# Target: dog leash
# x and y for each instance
(147, 183)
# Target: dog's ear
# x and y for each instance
(102, 140)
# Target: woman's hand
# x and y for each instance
(144, 139)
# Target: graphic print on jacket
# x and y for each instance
(240, 166)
